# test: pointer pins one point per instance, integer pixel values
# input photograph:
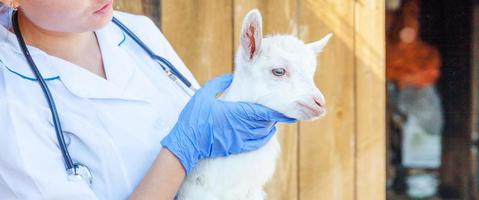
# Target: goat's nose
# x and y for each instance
(320, 100)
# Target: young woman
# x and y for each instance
(136, 131)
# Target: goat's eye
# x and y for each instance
(278, 71)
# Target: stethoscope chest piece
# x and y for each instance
(80, 172)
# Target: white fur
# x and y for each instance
(242, 176)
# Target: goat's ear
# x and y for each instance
(319, 45)
(251, 34)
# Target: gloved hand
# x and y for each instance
(208, 127)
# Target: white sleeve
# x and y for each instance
(31, 164)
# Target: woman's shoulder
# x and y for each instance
(150, 34)
(144, 28)
(131, 18)
(18, 86)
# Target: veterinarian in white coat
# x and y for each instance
(115, 104)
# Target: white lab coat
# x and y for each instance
(113, 126)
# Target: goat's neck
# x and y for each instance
(239, 90)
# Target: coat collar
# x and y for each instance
(119, 66)
(12, 57)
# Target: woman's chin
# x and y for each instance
(100, 21)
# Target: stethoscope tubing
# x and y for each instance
(46, 91)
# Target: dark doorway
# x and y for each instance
(448, 25)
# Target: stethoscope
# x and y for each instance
(78, 171)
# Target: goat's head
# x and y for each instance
(278, 71)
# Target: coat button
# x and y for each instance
(160, 124)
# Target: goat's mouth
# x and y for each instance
(312, 111)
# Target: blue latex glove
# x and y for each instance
(208, 127)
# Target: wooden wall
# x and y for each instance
(341, 156)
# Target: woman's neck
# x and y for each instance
(51, 41)
(79, 48)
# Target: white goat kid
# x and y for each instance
(276, 72)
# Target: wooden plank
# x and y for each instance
(475, 100)
(150, 8)
(201, 33)
(132, 6)
(284, 184)
(278, 17)
(370, 99)
(326, 167)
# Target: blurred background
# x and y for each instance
(432, 86)
(400, 79)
